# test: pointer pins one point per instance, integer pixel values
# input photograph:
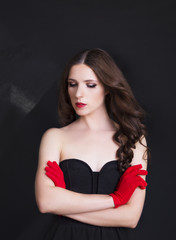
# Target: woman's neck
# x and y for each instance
(96, 121)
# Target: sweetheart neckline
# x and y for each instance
(68, 159)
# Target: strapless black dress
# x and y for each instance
(80, 178)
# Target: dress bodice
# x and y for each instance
(79, 177)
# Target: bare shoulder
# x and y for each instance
(140, 153)
(52, 133)
(50, 145)
(56, 133)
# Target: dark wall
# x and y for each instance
(36, 40)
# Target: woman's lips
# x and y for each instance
(80, 105)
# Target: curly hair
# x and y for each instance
(120, 102)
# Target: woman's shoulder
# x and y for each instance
(54, 132)
(58, 132)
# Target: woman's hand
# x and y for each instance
(129, 181)
(54, 172)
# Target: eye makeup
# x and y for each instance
(90, 83)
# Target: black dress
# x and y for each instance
(80, 178)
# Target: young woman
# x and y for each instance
(92, 170)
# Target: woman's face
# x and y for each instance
(85, 90)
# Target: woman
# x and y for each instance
(92, 170)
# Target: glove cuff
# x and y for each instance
(115, 199)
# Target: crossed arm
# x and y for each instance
(95, 209)
(126, 215)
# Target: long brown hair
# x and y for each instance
(120, 102)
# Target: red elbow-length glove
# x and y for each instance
(128, 182)
(54, 172)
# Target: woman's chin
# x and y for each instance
(81, 113)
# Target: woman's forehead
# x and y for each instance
(82, 72)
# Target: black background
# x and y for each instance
(36, 40)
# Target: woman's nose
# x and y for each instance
(79, 92)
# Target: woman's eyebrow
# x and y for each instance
(87, 80)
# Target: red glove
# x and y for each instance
(54, 172)
(129, 181)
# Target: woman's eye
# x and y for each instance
(91, 85)
(70, 84)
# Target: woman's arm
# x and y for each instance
(51, 199)
(126, 215)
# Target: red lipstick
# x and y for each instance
(80, 104)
